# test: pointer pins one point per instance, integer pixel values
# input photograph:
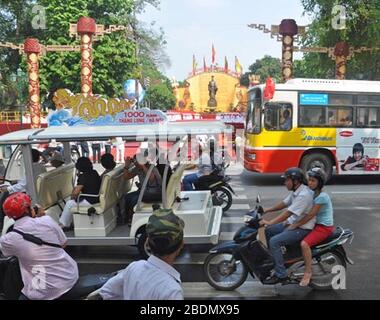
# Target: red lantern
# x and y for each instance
(270, 88)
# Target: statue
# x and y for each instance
(212, 90)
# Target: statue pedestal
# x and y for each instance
(212, 104)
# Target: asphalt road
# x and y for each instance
(356, 206)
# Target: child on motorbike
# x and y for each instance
(324, 227)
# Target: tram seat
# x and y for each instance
(55, 186)
(112, 190)
(173, 190)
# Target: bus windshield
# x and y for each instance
(253, 124)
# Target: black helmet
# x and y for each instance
(358, 147)
(319, 174)
(294, 174)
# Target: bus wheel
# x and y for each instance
(317, 160)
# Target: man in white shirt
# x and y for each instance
(279, 233)
(154, 279)
(47, 271)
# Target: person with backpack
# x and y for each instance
(37, 241)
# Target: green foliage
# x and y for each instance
(115, 58)
(362, 30)
(265, 67)
(160, 96)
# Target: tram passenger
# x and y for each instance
(88, 183)
(38, 168)
(139, 166)
(108, 163)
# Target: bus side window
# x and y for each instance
(278, 117)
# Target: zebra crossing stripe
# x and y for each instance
(249, 289)
(226, 236)
(232, 220)
(240, 206)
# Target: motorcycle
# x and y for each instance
(217, 183)
(228, 264)
(86, 288)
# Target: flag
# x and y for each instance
(194, 64)
(213, 54)
(204, 65)
(238, 67)
(225, 65)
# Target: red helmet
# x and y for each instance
(16, 205)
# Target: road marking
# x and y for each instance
(356, 208)
(355, 192)
(232, 220)
(252, 289)
(226, 236)
(237, 189)
(240, 206)
(240, 197)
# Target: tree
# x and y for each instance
(160, 96)
(362, 29)
(265, 67)
(116, 57)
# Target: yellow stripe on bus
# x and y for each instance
(299, 137)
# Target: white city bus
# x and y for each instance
(311, 122)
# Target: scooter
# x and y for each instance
(217, 183)
(227, 266)
(86, 288)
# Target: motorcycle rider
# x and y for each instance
(323, 211)
(298, 204)
(209, 159)
(155, 278)
(47, 271)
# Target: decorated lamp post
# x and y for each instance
(342, 54)
(86, 28)
(88, 31)
(32, 49)
(287, 32)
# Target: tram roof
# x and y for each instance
(169, 130)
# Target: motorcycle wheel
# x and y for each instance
(323, 275)
(221, 274)
(222, 197)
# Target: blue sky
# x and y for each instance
(191, 26)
